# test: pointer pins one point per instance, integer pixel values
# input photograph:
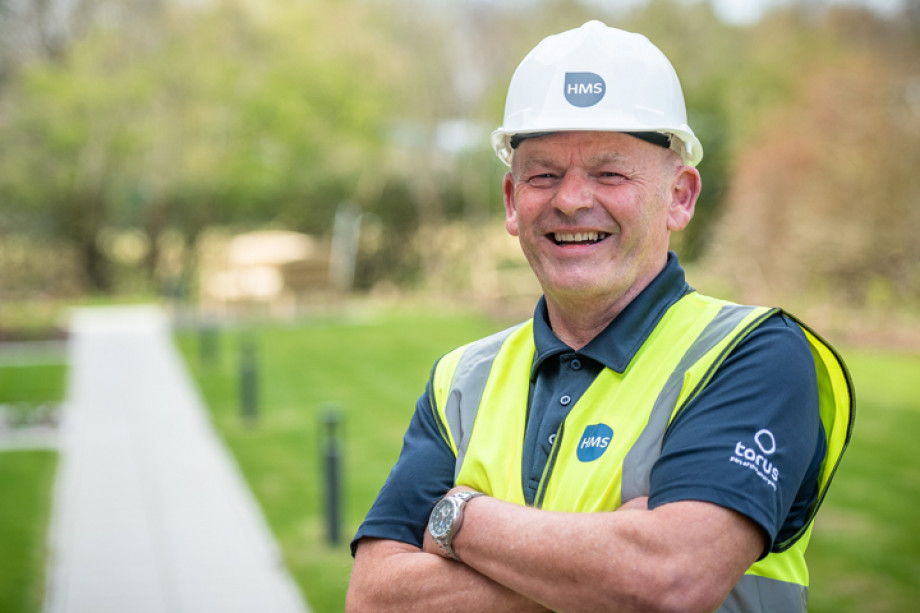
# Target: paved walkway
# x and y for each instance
(151, 514)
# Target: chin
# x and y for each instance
(571, 289)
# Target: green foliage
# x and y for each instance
(864, 551)
(243, 113)
(707, 73)
(204, 115)
(392, 260)
(26, 479)
(821, 206)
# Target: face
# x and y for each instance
(594, 211)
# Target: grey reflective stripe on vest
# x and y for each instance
(755, 593)
(752, 593)
(467, 387)
(637, 465)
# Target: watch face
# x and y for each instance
(442, 517)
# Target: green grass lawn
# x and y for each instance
(865, 552)
(25, 508)
(32, 383)
(26, 479)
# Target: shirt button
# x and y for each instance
(576, 364)
(565, 400)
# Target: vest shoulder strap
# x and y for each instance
(637, 465)
(458, 382)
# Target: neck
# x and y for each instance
(576, 323)
(577, 317)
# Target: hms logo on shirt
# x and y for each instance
(594, 442)
(755, 455)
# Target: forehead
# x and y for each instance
(585, 147)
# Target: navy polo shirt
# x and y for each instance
(762, 401)
(560, 375)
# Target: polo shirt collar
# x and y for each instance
(616, 345)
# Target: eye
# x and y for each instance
(610, 177)
(542, 179)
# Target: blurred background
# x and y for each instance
(140, 137)
(322, 167)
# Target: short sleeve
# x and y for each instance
(752, 440)
(422, 475)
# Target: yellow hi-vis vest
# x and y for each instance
(480, 394)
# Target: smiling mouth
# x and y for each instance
(578, 238)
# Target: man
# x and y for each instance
(636, 446)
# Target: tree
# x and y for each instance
(228, 112)
(825, 197)
(708, 56)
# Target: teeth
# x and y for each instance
(579, 237)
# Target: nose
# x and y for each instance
(573, 194)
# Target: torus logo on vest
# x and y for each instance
(594, 442)
(584, 88)
(756, 459)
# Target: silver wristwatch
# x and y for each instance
(446, 518)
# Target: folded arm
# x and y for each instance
(393, 576)
(682, 556)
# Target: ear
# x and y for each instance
(684, 192)
(510, 211)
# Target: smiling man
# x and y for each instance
(636, 446)
(593, 212)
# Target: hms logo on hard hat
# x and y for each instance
(584, 88)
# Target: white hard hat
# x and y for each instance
(597, 78)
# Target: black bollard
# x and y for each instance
(207, 344)
(332, 474)
(249, 381)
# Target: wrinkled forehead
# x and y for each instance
(588, 148)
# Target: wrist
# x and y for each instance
(446, 520)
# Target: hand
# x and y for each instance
(428, 544)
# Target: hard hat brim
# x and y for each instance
(683, 141)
